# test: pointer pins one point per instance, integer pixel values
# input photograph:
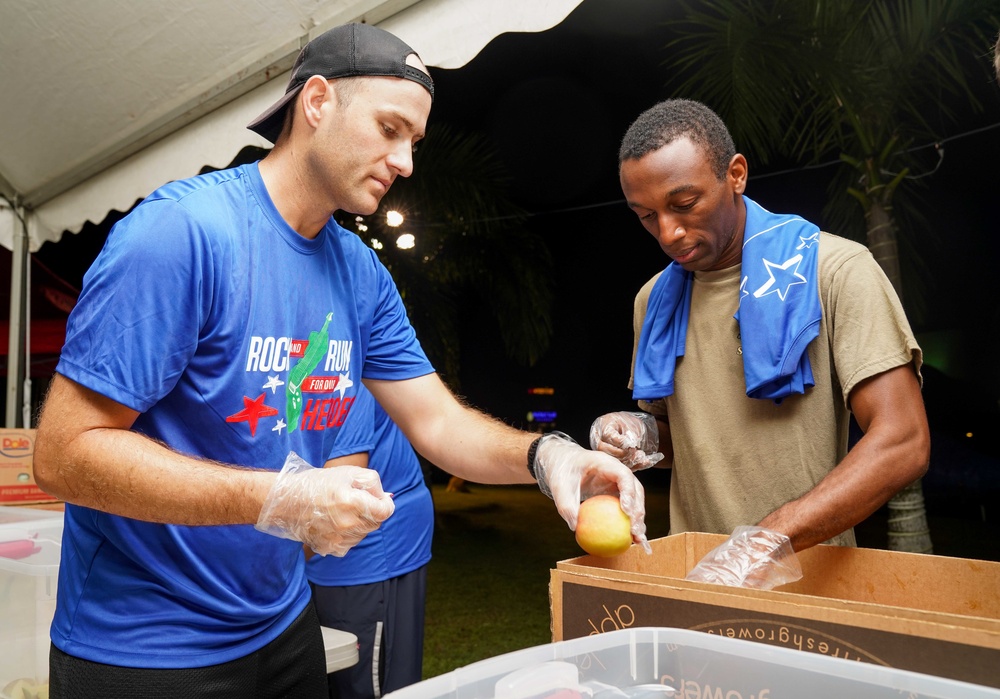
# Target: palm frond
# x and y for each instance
(471, 247)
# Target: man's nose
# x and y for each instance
(670, 230)
(401, 160)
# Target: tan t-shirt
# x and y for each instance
(737, 459)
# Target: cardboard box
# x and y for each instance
(657, 663)
(929, 614)
(55, 506)
(17, 482)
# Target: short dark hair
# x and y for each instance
(671, 119)
(346, 89)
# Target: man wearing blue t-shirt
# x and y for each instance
(214, 354)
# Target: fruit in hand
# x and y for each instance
(602, 529)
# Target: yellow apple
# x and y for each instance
(602, 529)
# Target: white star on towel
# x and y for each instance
(279, 426)
(343, 383)
(808, 242)
(743, 289)
(788, 276)
(273, 382)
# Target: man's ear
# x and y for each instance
(738, 173)
(314, 94)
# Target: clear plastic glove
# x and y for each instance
(328, 509)
(632, 438)
(752, 557)
(569, 474)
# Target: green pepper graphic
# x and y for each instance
(316, 348)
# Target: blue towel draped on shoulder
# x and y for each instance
(778, 311)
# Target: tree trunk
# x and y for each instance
(908, 529)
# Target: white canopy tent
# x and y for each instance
(105, 100)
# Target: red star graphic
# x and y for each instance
(253, 410)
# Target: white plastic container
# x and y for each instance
(30, 543)
(655, 663)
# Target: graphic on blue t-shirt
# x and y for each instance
(305, 409)
(253, 410)
(315, 347)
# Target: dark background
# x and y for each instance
(555, 104)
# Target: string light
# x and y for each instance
(621, 202)
(395, 218)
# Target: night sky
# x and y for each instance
(556, 104)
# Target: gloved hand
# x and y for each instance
(568, 474)
(632, 438)
(752, 557)
(328, 509)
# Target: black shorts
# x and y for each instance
(292, 665)
(388, 619)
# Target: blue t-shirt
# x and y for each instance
(403, 542)
(237, 340)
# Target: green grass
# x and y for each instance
(488, 581)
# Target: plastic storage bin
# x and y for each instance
(655, 663)
(30, 542)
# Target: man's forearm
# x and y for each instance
(125, 473)
(894, 452)
(482, 449)
(461, 440)
(865, 480)
(86, 454)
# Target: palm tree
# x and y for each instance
(862, 82)
(469, 250)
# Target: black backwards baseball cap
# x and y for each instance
(344, 51)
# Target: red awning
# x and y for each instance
(47, 336)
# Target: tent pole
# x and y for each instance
(15, 340)
(26, 362)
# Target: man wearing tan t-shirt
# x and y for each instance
(774, 470)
